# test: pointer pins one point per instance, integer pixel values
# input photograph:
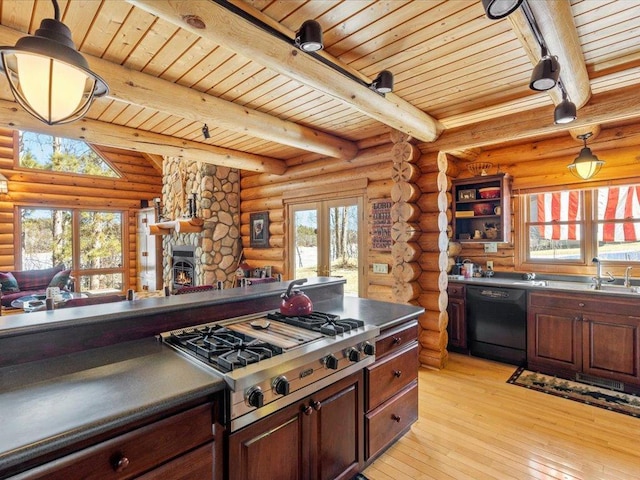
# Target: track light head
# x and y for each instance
(565, 111)
(205, 132)
(497, 9)
(309, 37)
(383, 82)
(545, 74)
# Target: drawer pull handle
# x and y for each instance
(307, 410)
(120, 463)
(581, 304)
(395, 417)
(315, 405)
(397, 373)
(397, 340)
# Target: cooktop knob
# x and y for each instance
(330, 361)
(254, 397)
(353, 354)
(280, 385)
(368, 348)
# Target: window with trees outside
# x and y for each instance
(571, 227)
(89, 241)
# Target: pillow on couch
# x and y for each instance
(9, 283)
(60, 279)
(36, 279)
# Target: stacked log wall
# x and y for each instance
(30, 187)
(262, 192)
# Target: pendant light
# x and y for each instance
(48, 76)
(586, 164)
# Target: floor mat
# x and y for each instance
(580, 392)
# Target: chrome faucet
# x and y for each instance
(627, 280)
(597, 280)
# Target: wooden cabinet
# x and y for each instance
(584, 334)
(478, 219)
(392, 388)
(456, 310)
(318, 438)
(177, 447)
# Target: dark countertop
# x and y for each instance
(45, 406)
(50, 404)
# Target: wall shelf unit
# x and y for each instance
(481, 220)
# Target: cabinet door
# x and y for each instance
(457, 326)
(270, 448)
(337, 448)
(554, 340)
(611, 347)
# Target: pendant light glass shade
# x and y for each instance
(49, 77)
(545, 74)
(309, 37)
(497, 9)
(586, 164)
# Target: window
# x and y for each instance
(90, 242)
(45, 152)
(572, 227)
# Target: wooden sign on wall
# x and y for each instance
(381, 224)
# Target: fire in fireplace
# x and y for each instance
(183, 266)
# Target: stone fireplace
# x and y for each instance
(217, 248)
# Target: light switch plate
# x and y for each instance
(380, 268)
(489, 264)
(491, 247)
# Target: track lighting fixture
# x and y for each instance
(497, 9)
(205, 131)
(309, 37)
(565, 111)
(48, 76)
(586, 164)
(383, 82)
(545, 74)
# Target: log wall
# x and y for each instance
(140, 181)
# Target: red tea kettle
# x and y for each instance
(294, 302)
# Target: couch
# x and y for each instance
(20, 283)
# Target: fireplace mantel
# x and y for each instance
(182, 225)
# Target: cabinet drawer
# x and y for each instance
(143, 449)
(455, 290)
(391, 419)
(395, 339)
(596, 303)
(387, 377)
(197, 465)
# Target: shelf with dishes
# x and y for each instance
(481, 208)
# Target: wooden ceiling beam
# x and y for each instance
(102, 133)
(555, 22)
(215, 23)
(613, 106)
(144, 90)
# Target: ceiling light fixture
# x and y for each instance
(205, 131)
(586, 164)
(48, 76)
(497, 9)
(565, 111)
(546, 73)
(309, 37)
(383, 83)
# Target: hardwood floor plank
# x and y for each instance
(474, 426)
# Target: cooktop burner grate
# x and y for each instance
(325, 323)
(223, 348)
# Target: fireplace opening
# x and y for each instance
(183, 266)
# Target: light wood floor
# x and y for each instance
(473, 425)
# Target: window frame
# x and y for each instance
(588, 242)
(76, 270)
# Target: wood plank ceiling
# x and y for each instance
(175, 65)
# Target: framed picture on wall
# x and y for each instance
(259, 224)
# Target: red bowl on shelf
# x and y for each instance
(489, 192)
(483, 209)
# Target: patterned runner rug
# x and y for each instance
(580, 392)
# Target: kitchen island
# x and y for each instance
(95, 377)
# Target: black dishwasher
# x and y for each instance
(497, 323)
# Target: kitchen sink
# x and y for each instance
(617, 289)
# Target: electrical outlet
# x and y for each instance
(491, 247)
(380, 268)
(489, 264)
